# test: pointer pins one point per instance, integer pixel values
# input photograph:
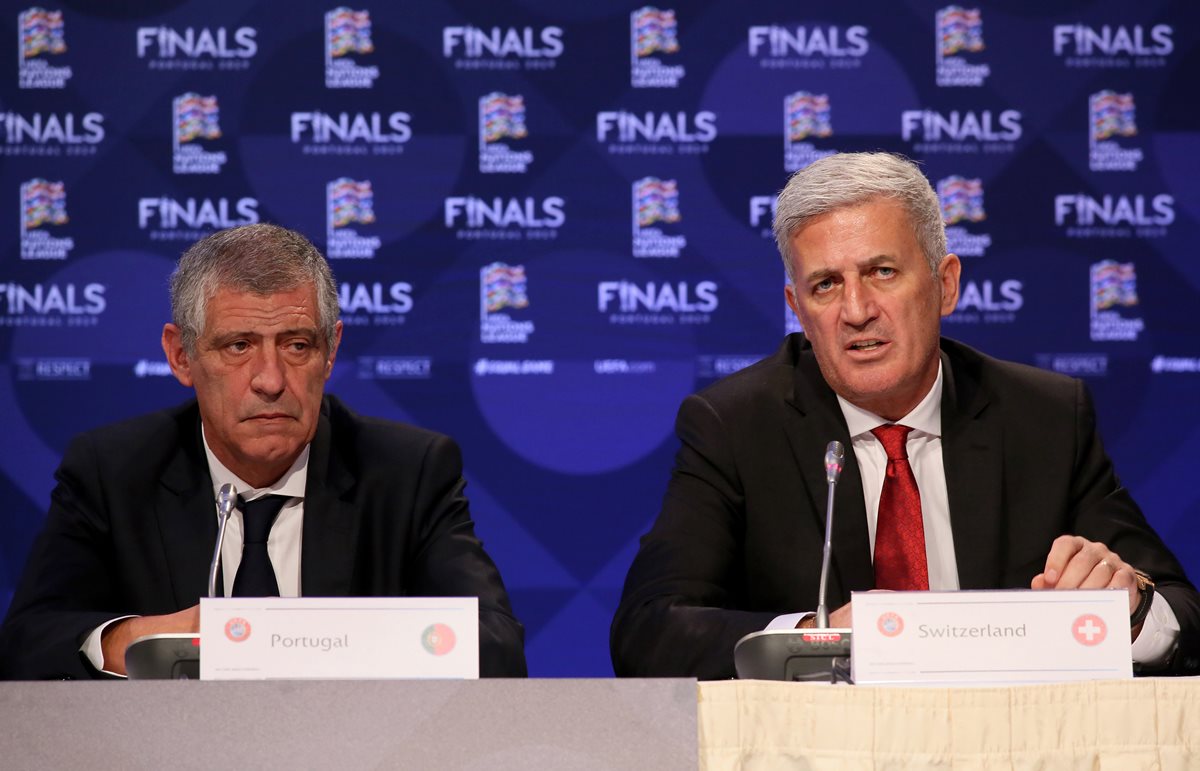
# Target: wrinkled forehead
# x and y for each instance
(231, 307)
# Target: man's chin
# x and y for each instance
(271, 448)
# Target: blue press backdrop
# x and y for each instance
(551, 221)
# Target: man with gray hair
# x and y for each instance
(330, 504)
(966, 472)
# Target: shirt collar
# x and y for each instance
(926, 417)
(291, 484)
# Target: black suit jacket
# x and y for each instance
(738, 541)
(132, 525)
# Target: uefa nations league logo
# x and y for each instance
(961, 200)
(40, 36)
(502, 123)
(1112, 120)
(653, 34)
(655, 207)
(1114, 287)
(958, 34)
(43, 212)
(348, 36)
(806, 116)
(503, 290)
(349, 202)
(196, 122)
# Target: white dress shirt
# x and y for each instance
(1160, 631)
(284, 542)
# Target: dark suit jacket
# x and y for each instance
(739, 537)
(132, 525)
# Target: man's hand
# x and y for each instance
(1077, 563)
(839, 619)
(117, 637)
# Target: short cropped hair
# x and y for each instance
(260, 258)
(848, 179)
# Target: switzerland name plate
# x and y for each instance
(990, 638)
(267, 638)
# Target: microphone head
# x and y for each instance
(835, 458)
(226, 498)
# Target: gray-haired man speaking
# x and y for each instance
(966, 472)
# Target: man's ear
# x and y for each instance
(949, 273)
(789, 294)
(172, 343)
(337, 340)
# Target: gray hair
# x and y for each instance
(260, 258)
(849, 179)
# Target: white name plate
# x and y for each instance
(305, 638)
(990, 638)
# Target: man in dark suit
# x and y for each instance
(363, 507)
(1008, 484)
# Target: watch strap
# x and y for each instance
(1146, 590)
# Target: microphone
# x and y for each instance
(835, 459)
(177, 654)
(226, 500)
(813, 655)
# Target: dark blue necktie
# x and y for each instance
(255, 575)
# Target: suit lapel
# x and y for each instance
(330, 523)
(186, 514)
(972, 455)
(813, 420)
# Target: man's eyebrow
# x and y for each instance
(225, 334)
(819, 275)
(303, 331)
(823, 273)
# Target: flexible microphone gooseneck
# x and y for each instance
(226, 501)
(835, 458)
(810, 655)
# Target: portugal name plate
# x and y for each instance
(990, 637)
(268, 638)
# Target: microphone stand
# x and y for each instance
(226, 500)
(810, 655)
(176, 655)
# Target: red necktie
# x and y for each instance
(899, 532)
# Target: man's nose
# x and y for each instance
(268, 374)
(858, 304)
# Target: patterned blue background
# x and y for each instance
(567, 435)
